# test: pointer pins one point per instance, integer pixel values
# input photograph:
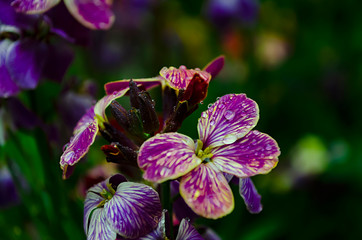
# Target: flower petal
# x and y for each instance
(25, 60)
(99, 227)
(33, 6)
(227, 120)
(187, 232)
(256, 153)
(180, 78)
(92, 200)
(93, 14)
(167, 156)
(215, 66)
(207, 192)
(79, 145)
(250, 195)
(160, 232)
(134, 210)
(8, 87)
(119, 85)
(102, 104)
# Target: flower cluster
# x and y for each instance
(147, 142)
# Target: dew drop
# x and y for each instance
(168, 154)
(229, 138)
(217, 98)
(203, 114)
(221, 105)
(229, 115)
(212, 123)
(202, 102)
(268, 147)
(209, 106)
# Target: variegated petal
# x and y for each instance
(250, 195)
(99, 227)
(179, 78)
(92, 199)
(207, 192)
(134, 210)
(93, 14)
(119, 85)
(85, 120)
(33, 6)
(167, 156)
(79, 145)
(256, 153)
(103, 103)
(227, 120)
(187, 232)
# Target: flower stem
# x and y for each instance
(167, 204)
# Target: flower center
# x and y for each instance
(107, 195)
(204, 154)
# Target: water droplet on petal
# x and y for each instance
(203, 114)
(221, 105)
(202, 102)
(229, 138)
(268, 147)
(212, 123)
(217, 98)
(168, 154)
(229, 115)
(209, 106)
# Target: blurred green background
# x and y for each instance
(299, 60)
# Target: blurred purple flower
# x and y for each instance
(25, 53)
(8, 193)
(117, 207)
(226, 145)
(93, 14)
(224, 12)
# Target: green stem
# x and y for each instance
(167, 204)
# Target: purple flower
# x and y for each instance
(25, 52)
(226, 145)
(117, 207)
(93, 14)
(86, 131)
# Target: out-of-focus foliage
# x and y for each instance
(299, 60)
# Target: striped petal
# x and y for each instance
(250, 195)
(119, 85)
(167, 156)
(227, 120)
(99, 227)
(93, 14)
(180, 78)
(187, 232)
(207, 192)
(160, 232)
(33, 6)
(134, 210)
(256, 153)
(92, 200)
(79, 144)
(7, 87)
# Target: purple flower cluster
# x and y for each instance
(200, 170)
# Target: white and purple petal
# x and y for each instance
(147, 83)
(250, 195)
(207, 192)
(93, 14)
(134, 210)
(99, 227)
(187, 232)
(160, 232)
(92, 199)
(79, 145)
(180, 78)
(33, 6)
(167, 156)
(227, 120)
(255, 153)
